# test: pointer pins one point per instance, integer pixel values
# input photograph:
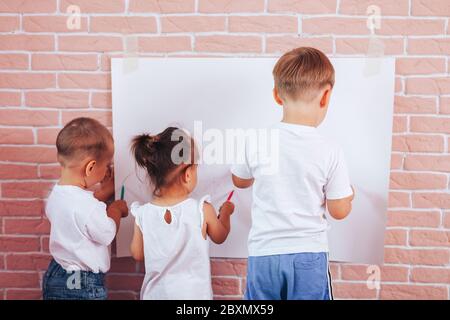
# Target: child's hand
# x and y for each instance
(117, 210)
(227, 208)
(121, 206)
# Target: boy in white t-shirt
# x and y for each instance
(82, 226)
(288, 245)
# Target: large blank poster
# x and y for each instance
(236, 93)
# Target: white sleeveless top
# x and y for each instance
(177, 265)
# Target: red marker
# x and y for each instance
(230, 195)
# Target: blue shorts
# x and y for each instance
(59, 284)
(299, 276)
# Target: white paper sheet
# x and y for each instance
(229, 93)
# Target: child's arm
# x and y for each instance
(137, 244)
(99, 227)
(340, 208)
(242, 183)
(338, 191)
(218, 227)
(117, 210)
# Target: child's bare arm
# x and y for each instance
(340, 208)
(242, 183)
(137, 245)
(116, 211)
(218, 227)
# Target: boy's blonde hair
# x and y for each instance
(81, 138)
(301, 72)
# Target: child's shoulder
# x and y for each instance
(71, 201)
(149, 206)
(74, 196)
(330, 144)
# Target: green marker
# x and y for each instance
(122, 193)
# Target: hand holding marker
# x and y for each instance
(227, 203)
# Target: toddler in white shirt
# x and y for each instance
(82, 225)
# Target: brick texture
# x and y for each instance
(50, 74)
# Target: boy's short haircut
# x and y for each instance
(81, 138)
(301, 72)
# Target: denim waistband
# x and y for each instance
(86, 277)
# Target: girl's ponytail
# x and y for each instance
(154, 154)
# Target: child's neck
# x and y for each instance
(170, 196)
(70, 178)
(300, 114)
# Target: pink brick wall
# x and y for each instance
(50, 74)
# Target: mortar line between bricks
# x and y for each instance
(408, 247)
(66, 110)
(226, 277)
(29, 218)
(436, 98)
(436, 172)
(21, 271)
(143, 54)
(147, 54)
(30, 236)
(423, 153)
(412, 267)
(425, 76)
(268, 13)
(404, 265)
(416, 228)
(423, 284)
(423, 133)
(23, 127)
(54, 72)
(146, 34)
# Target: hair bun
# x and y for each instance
(141, 146)
(151, 142)
(154, 139)
(154, 154)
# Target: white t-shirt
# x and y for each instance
(288, 209)
(177, 265)
(81, 232)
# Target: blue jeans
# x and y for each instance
(299, 276)
(59, 284)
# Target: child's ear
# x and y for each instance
(190, 173)
(276, 97)
(325, 100)
(90, 167)
(186, 176)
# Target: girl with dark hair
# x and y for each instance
(171, 230)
